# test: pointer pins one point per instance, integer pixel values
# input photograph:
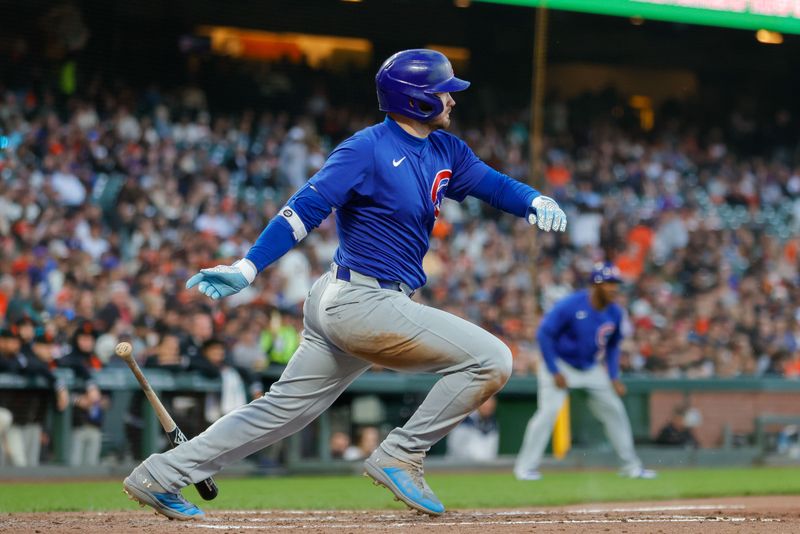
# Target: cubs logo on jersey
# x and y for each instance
(438, 189)
(603, 335)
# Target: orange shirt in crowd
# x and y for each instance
(790, 251)
(642, 236)
(441, 229)
(558, 176)
(701, 325)
(792, 368)
(631, 262)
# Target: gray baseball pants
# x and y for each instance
(348, 327)
(604, 403)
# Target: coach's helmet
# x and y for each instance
(408, 80)
(605, 272)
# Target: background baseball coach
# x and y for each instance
(651, 349)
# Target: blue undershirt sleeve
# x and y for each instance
(275, 241)
(304, 211)
(504, 193)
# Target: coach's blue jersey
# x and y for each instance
(387, 187)
(579, 334)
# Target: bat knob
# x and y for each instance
(124, 350)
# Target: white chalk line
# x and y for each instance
(357, 526)
(634, 509)
(336, 519)
(326, 519)
(673, 508)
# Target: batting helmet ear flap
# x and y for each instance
(422, 106)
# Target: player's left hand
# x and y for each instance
(222, 280)
(619, 387)
(545, 213)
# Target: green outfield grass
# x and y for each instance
(468, 490)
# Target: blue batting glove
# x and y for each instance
(223, 280)
(545, 213)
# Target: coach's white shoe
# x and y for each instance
(532, 474)
(645, 474)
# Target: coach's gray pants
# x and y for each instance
(349, 326)
(604, 403)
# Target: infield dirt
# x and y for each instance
(720, 515)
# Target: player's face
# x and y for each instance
(608, 291)
(442, 121)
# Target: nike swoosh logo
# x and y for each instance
(397, 162)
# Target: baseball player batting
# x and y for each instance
(575, 337)
(386, 184)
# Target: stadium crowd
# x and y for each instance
(110, 201)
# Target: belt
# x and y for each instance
(346, 275)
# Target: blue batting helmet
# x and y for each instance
(408, 80)
(605, 272)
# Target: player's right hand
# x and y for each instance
(223, 280)
(547, 215)
(561, 382)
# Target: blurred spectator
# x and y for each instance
(87, 438)
(10, 351)
(42, 365)
(200, 329)
(89, 406)
(25, 329)
(788, 441)
(296, 271)
(790, 364)
(367, 440)
(6, 453)
(282, 337)
(477, 437)
(339, 444)
(248, 351)
(167, 354)
(82, 359)
(118, 311)
(236, 381)
(14, 406)
(29, 407)
(293, 161)
(677, 432)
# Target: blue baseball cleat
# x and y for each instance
(141, 487)
(405, 480)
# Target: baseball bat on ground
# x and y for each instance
(206, 488)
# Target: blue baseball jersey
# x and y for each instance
(574, 331)
(387, 187)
